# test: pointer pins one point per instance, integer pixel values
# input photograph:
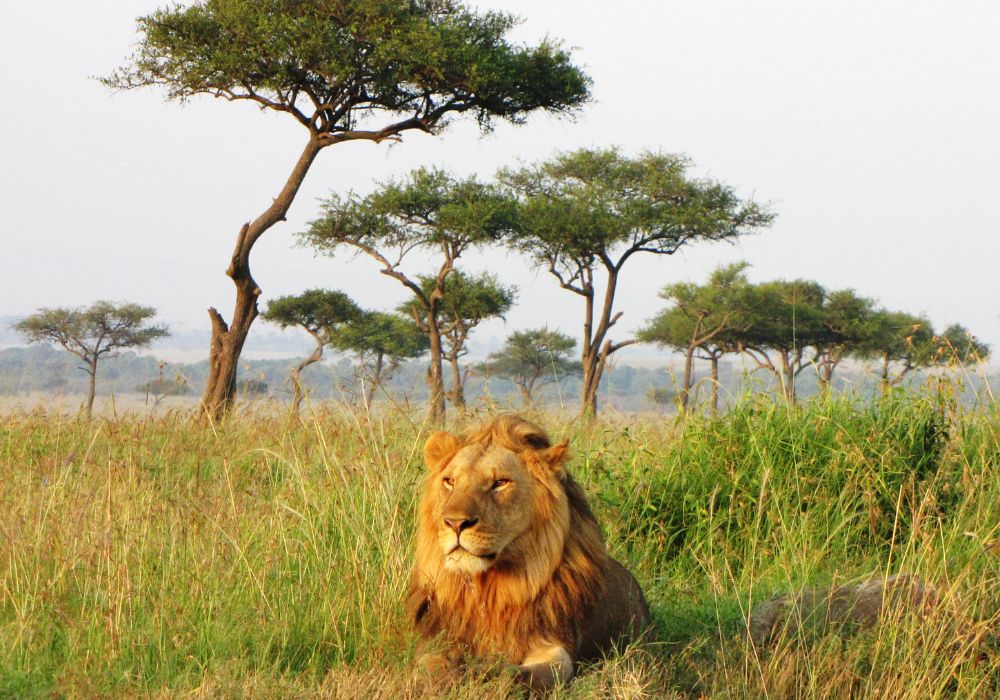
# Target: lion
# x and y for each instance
(510, 561)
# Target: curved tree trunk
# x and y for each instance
(435, 372)
(457, 393)
(374, 381)
(91, 389)
(296, 374)
(228, 339)
(526, 398)
(688, 376)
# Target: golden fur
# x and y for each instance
(510, 560)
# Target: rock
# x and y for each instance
(858, 605)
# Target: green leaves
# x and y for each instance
(318, 311)
(538, 355)
(427, 208)
(466, 300)
(335, 64)
(90, 332)
(380, 333)
(590, 205)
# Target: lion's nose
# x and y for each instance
(460, 523)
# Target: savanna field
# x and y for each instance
(269, 558)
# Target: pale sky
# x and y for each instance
(872, 127)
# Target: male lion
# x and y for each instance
(510, 560)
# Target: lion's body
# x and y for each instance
(510, 559)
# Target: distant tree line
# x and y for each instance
(788, 326)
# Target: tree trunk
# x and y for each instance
(228, 339)
(374, 381)
(91, 388)
(688, 371)
(885, 374)
(591, 383)
(715, 384)
(296, 374)
(526, 397)
(457, 393)
(435, 378)
(788, 377)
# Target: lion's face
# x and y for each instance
(487, 502)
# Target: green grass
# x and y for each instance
(264, 557)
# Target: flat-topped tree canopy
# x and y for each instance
(427, 208)
(334, 65)
(319, 311)
(600, 207)
(583, 214)
(347, 70)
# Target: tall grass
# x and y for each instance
(268, 557)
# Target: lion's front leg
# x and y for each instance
(545, 666)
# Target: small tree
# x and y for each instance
(344, 70)
(101, 330)
(380, 341)
(702, 318)
(899, 339)
(429, 211)
(958, 346)
(584, 214)
(320, 313)
(530, 359)
(848, 321)
(467, 302)
(785, 319)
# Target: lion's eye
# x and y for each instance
(500, 484)
(448, 482)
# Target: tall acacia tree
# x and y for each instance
(99, 330)
(428, 211)
(320, 313)
(468, 301)
(584, 214)
(702, 318)
(345, 70)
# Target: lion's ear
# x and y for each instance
(439, 448)
(556, 456)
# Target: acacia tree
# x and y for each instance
(786, 318)
(468, 300)
(584, 214)
(99, 330)
(848, 321)
(344, 70)
(958, 346)
(702, 318)
(530, 359)
(899, 339)
(320, 313)
(428, 211)
(379, 341)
